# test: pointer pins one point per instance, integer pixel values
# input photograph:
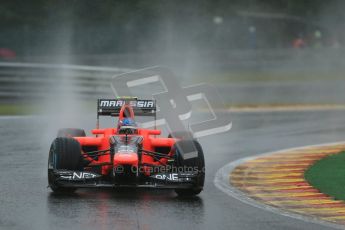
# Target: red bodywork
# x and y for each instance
(150, 142)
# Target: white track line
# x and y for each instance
(63, 66)
(221, 181)
(287, 108)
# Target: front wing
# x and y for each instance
(85, 179)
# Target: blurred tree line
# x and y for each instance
(131, 26)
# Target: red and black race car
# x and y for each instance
(126, 156)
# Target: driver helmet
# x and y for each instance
(127, 126)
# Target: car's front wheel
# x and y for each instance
(194, 164)
(65, 153)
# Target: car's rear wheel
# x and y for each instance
(65, 153)
(190, 164)
(71, 132)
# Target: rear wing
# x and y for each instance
(112, 107)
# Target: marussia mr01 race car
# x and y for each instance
(125, 156)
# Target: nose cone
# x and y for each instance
(126, 159)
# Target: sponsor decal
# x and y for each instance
(79, 176)
(167, 176)
(120, 103)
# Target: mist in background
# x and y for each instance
(256, 52)
(143, 33)
(123, 27)
(196, 37)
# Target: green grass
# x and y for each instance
(37, 108)
(328, 175)
(17, 109)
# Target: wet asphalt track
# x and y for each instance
(27, 203)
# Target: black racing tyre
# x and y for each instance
(65, 153)
(181, 135)
(71, 132)
(196, 164)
